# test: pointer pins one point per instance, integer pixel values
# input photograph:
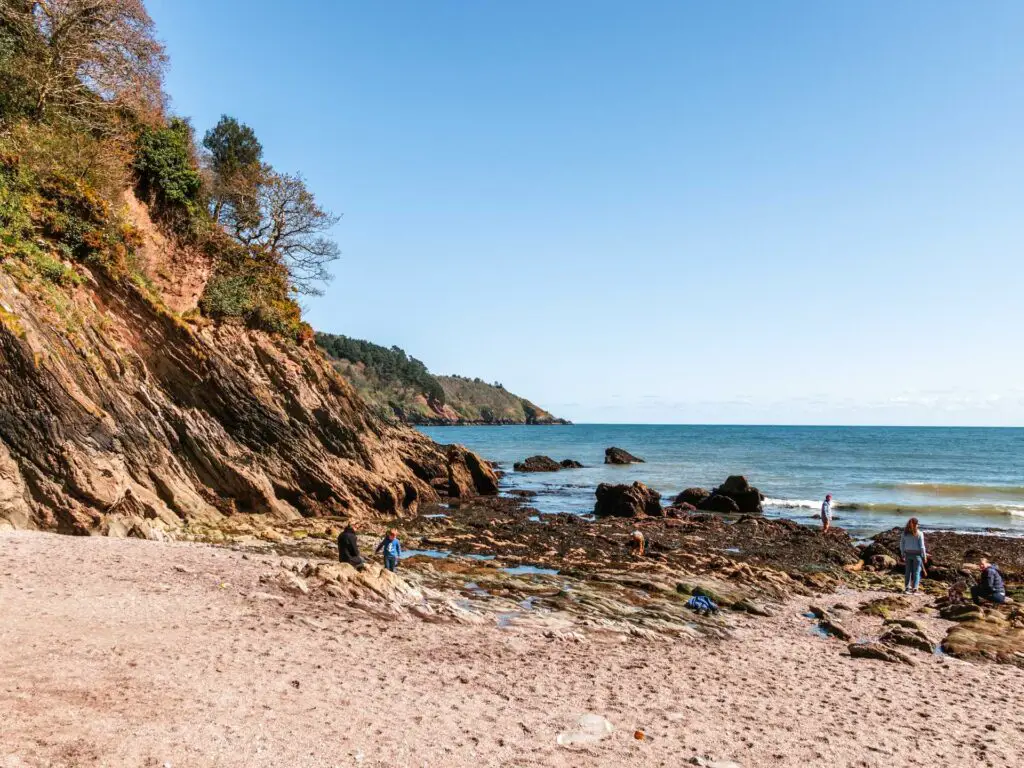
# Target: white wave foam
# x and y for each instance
(792, 503)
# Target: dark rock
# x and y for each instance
(879, 557)
(879, 652)
(692, 496)
(619, 456)
(718, 503)
(680, 510)
(749, 502)
(746, 497)
(734, 484)
(627, 501)
(570, 464)
(537, 464)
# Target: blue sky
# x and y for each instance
(785, 212)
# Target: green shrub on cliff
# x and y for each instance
(165, 165)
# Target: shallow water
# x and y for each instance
(531, 570)
(954, 478)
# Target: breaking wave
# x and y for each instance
(956, 489)
(884, 507)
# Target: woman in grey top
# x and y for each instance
(913, 552)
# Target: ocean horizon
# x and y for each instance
(951, 478)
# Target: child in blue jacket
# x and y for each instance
(392, 550)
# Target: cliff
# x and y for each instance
(118, 416)
(156, 377)
(401, 388)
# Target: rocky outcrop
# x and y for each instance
(985, 633)
(117, 416)
(468, 475)
(879, 652)
(951, 555)
(692, 496)
(736, 494)
(537, 464)
(719, 503)
(618, 456)
(545, 464)
(898, 635)
(634, 500)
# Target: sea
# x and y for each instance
(964, 479)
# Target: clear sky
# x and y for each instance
(745, 212)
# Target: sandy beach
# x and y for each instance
(133, 653)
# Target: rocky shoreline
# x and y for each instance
(574, 576)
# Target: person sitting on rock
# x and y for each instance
(637, 543)
(990, 585)
(826, 513)
(348, 548)
(392, 550)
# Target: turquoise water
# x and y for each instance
(954, 478)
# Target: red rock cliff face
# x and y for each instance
(117, 417)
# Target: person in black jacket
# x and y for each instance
(348, 548)
(990, 585)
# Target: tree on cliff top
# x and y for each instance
(234, 165)
(85, 59)
(288, 223)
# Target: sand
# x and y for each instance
(131, 653)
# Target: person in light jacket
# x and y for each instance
(826, 513)
(914, 554)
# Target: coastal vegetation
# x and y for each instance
(83, 122)
(400, 387)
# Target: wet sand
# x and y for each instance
(131, 653)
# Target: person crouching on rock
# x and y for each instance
(348, 548)
(990, 585)
(914, 554)
(637, 543)
(392, 550)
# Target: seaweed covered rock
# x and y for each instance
(537, 464)
(719, 503)
(634, 500)
(985, 633)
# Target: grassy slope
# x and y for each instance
(478, 401)
(466, 400)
